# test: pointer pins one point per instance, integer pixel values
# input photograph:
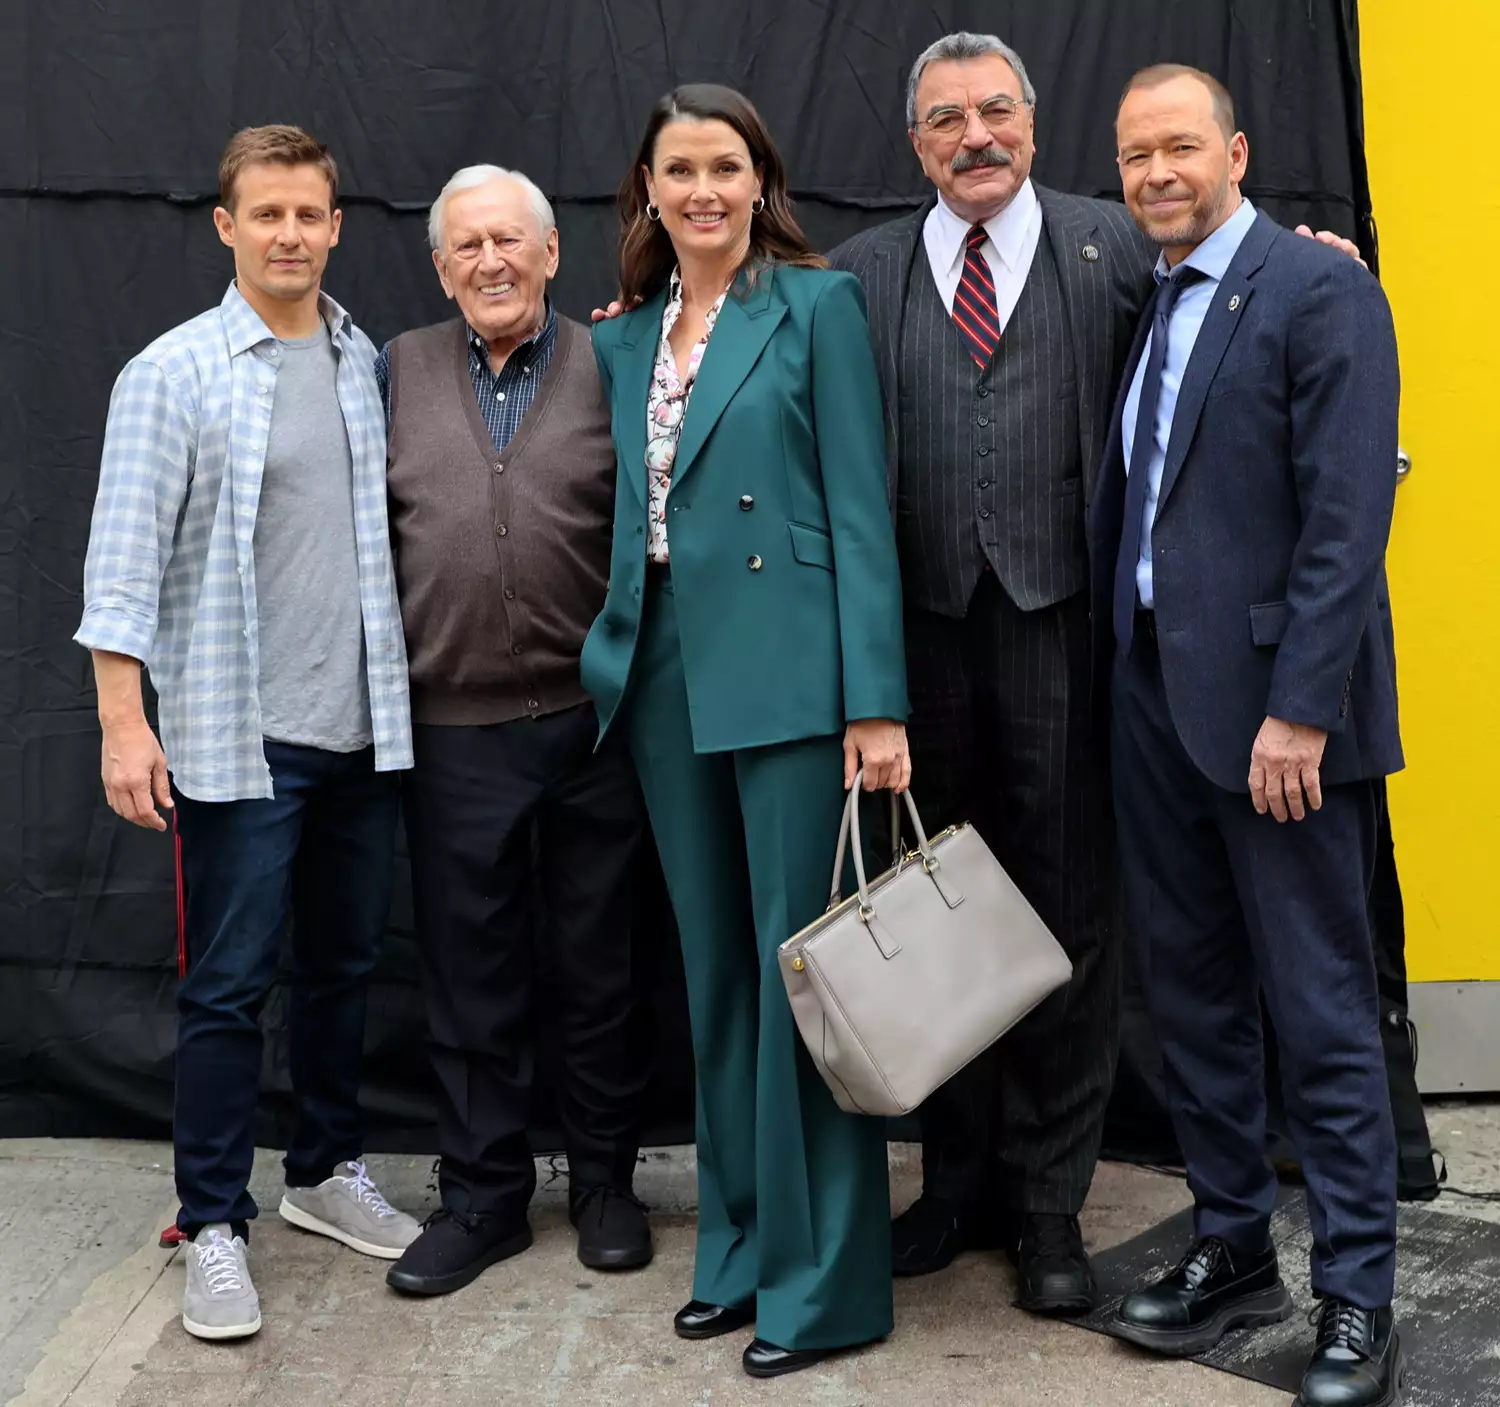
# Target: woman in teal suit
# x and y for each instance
(750, 647)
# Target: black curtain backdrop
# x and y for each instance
(115, 112)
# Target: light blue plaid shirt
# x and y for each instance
(170, 573)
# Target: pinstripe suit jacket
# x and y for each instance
(1103, 295)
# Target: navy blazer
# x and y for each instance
(1268, 550)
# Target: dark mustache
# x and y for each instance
(967, 160)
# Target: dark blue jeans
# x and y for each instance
(319, 852)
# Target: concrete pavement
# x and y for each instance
(89, 1305)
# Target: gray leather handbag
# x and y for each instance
(899, 986)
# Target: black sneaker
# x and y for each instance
(453, 1249)
(613, 1233)
(1213, 1290)
(1054, 1272)
(1357, 1361)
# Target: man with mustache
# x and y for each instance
(1002, 313)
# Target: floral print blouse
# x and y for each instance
(666, 405)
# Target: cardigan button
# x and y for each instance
(746, 503)
(755, 564)
(499, 468)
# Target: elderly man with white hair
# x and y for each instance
(524, 840)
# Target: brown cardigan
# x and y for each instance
(501, 558)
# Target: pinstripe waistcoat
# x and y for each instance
(990, 459)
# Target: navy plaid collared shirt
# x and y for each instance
(504, 397)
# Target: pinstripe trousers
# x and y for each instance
(1001, 735)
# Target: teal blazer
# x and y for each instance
(784, 569)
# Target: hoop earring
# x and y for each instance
(653, 212)
(757, 205)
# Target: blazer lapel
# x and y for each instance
(886, 282)
(1224, 314)
(740, 334)
(640, 333)
(1085, 294)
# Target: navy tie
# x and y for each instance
(1137, 482)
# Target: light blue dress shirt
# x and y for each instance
(1211, 258)
(170, 573)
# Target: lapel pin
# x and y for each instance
(1090, 252)
(1234, 303)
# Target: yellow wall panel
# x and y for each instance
(1431, 85)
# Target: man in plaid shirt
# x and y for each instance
(240, 552)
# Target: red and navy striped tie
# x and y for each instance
(974, 302)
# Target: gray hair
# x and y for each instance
(468, 178)
(964, 45)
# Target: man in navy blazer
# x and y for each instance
(1238, 540)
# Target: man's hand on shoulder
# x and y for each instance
(1333, 241)
(1284, 765)
(614, 310)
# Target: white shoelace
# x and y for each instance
(220, 1265)
(365, 1191)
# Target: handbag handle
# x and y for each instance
(850, 824)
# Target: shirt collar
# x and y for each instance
(245, 328)
(1007, 230)
(1213, 257)
(528, 349)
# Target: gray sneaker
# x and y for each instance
(218, 1301)
(349, 1208)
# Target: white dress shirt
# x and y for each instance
(1009, 250)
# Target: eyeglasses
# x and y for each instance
(997, 114)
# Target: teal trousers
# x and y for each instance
(793, 1197)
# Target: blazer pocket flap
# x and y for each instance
(1268, 622)
(811, 546)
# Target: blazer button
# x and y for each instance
(755, 564)
(746, 503)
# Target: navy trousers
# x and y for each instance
(1222, 904)
(503, 820)
(319, 852)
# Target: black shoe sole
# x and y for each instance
(618, 1260)
(1256, 1311)
(725, 1324)
(409, 1284)
(1058, 1306)
(795, 1365)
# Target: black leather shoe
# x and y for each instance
(1055, 1275)
(932, 1231)
(698, 1319)
(453, 1249)
(1357, 1362)
(765, 1360)
(613, 1233)
(1212, 1291)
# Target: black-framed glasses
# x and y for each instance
(997, 114)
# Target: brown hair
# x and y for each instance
(646, 254)
(1157, 74)
(278, 143)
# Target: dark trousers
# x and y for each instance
(1001, 736)
(320, 851)
(793, 1195)
(523, 848)
(1222, 904)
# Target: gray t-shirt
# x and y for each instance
(313, 688)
